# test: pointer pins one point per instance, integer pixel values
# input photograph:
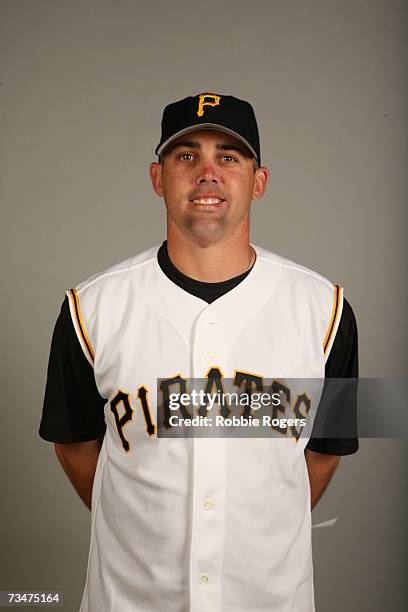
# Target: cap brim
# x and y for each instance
(204, 126)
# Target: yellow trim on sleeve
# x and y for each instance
(333, 318)
(81, 325)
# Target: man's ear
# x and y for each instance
(261, 180)
(155, 171)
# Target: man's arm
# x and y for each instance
(79, 460)
(321, 468)
(73, 409)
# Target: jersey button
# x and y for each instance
(203, 578)
(208, 504)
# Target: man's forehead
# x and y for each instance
(197, 138)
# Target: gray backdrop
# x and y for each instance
(83, 85)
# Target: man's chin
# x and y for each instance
(207, 231)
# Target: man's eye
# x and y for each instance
(228, 158)
(186, 156)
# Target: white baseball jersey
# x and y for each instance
(196, 524)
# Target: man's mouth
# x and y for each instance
(207, 200)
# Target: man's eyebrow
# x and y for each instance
(233, 147)
(190, 144)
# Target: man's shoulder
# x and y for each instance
(119, 271)
(290, 270)
(307, 293)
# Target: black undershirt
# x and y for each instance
(73, 408)
(209, 292)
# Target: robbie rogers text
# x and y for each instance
(235, 421)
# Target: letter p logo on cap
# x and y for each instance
(202, 101)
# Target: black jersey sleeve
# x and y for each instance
(342, 363)
(73, 410)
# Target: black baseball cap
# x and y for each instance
(212, 111)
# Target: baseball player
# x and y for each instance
(199, 524)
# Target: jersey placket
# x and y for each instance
(209, 482)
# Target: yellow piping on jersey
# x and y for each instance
(81, 325)
(333, 319)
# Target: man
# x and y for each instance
(200, 524)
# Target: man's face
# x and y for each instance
(208, 181)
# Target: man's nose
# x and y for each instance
(207, 172)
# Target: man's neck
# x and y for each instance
(211, 263)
